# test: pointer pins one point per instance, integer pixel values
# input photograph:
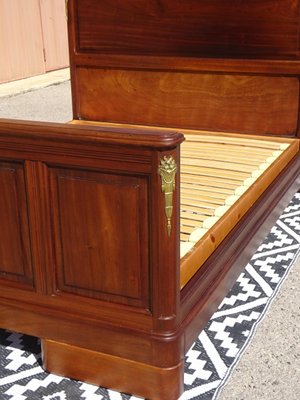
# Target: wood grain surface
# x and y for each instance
(15, 252)
(251, 104)
(189, 28)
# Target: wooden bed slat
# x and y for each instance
(219, 185)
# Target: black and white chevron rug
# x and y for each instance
(212, 357)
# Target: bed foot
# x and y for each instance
(113, 372)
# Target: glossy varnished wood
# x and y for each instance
(261, 104)
(86, 185)
(83, 230)
(150, 331)
(84, 188)
(15, 251)
(89, 265)
(113, 372)
(257, 66)
(192, 28)
(33, 134)
(196, 58)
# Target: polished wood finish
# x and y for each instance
(267, 67)
(122, 230)
(113, 372)
(193, 28)
(261, 104)
(168, 59)
(15, 252)
(90, 264)
(68, 170)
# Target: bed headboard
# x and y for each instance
(223, 65)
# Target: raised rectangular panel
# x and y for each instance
(190, 28)
(222, 102)
(15, 253)
(102, 230)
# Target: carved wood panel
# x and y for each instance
(15, 253)
(102, 235)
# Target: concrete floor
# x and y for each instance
(51, 104)
(270, 368)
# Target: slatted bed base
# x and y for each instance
(221, 177)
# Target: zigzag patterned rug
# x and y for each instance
(212, 357)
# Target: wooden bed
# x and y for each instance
(123, 230)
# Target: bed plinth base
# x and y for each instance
(113, 372)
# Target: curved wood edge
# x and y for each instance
(186, 132)
(127, 136)
(113, 372)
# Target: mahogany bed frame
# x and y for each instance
(86, 260)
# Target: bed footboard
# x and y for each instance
(89, 251)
